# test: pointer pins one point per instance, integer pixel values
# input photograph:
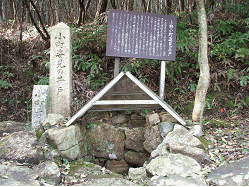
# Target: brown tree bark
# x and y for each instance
(82, 13)
(26, 3)
(128, 5)
(101, 8)
(113, 3)
(181, 5)
(169, 6)
(204, 79)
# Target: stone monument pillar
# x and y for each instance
(60, 78)
(40, 104)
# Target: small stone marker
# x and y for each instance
(60, 78)
(40, 104)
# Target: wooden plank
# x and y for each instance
(116, 67)
(95, 98)
(125, 102)
(162, 79)
(161, 102)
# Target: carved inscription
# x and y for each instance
(60, 78)
(40, 104)
(141, 35)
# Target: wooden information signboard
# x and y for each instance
(135, 35)
(141, 35)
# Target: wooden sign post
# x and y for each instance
(136, 35)
(141, 35)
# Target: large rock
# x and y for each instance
(165, 128)
(105, 141)
(122, 118)
(137, 120)
(17, 176)
(21, 146)
(134, 139)
(117, 166)
(68, 140)
(183, 142)
(83, 169)
(152, 138)
(109, 182)
(152, 119)
(52, 120)
(137, 173)
(11, 127)
(161, 150)
(167, 117)
(49, 172)
(233, 174)
(176, 180)
(173, 164)
(136, 159)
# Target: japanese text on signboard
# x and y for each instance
(141, 35)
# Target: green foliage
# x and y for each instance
(34, 57)
(178, 107)
(225, 27)
(137, 66)
(144, 112)
(247, 23)
(244, 80)
(89, 125)
(87, 34)
(46, 65)
(91, 64)
(236, 45)
(217, 87)
(7, 74)
(4, 84)
(180, 90)
(44, 80)
(84, 37)
(186, 37)
(240, 10)
(230, 74)
(192, 86)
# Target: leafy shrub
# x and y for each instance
(5, 84)
(92, 64)
(236, 45)
(186, 38)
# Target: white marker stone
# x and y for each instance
(40, 104)
(60, 78)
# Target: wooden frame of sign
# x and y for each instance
(141, 35)
(96, 100)
(137, 35)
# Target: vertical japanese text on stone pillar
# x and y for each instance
(40, 104)
(60, 78)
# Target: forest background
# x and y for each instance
(24, 55)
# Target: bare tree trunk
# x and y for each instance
(169, 6)
(148, 8)
(113, 3)
(56, 10)
(181, 5)
(21, 26)
(40, 19)
(204, 79)
(4, 11)
(101, 8)
(144, 5)
(131, 5)
(82, 12)
(47, 37)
